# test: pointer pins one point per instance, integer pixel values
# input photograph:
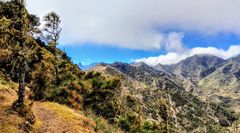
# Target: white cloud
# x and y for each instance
(136, 24)
(174, 43)
(174, 57)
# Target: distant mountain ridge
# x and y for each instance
(85, 67)
(237, 58)
(197, 66)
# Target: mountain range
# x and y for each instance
(201, 84)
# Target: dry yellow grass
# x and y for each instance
(10, 122)
(53, 117)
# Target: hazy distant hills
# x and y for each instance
(85, 67)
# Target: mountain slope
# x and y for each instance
(237, 58)
(166, 68)
(223, 85)
(148, 88)
(143, 73)
(192, 69)
(210, 78)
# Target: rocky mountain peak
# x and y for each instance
(197, 66)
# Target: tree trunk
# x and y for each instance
(56, 66)
(21, 89)
(23, 61)
(57, 76)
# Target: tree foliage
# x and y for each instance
(52, 30)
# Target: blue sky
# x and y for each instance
(150, 31)
(88, 53)
(219, 40)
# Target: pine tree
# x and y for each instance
(51, 34)
(52, 30)
(20, 63)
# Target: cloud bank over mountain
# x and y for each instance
(139, 24)
(175, 57)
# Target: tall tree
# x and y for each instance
(52, 29)
(51, 34)
(20, 63)
(16, 28)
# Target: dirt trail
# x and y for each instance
(54, 118)
(49, 120)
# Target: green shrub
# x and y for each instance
(128, 122)
(151, 127)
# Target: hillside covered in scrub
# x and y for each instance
(161, 98)
(42, 90)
